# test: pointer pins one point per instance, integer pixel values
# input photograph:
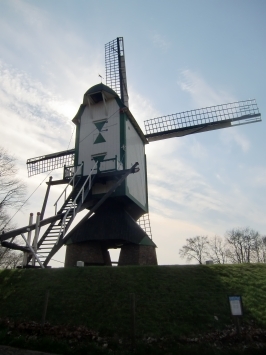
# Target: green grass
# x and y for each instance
(170, 300)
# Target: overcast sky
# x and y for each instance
(180, 55)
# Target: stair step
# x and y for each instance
(46, 245)
(49, 240)
(56, 230)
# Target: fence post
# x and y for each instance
(45, 307)
(133, 320)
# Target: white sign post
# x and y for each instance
(236, 309)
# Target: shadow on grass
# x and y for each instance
(171, 301)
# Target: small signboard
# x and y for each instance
(236, 305)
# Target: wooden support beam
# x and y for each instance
(15, 246)
(15, 232)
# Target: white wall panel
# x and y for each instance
(135, 152)
(89, 133)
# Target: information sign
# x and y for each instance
(236, 305)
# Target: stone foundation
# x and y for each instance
(137, 255)
(92, 253)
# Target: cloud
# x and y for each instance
(255, 176)
(173, 234)
(30, 13)
(200, 91)
(233, 136)
(34, 121)
(202, 95)
(35, 112)
(160, 41)
(141, 107)
(259, 176)
(60, 62)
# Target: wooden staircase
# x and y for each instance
(57, 229)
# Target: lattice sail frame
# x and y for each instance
(115, 68)
(200, 120)
(144, 223)
(50, 162)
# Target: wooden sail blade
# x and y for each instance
(202, 120)
(49, 162)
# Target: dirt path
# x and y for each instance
(7, 350)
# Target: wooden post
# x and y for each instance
(45, 307)
(237, 325)
(133, 321)
(35, 240)
(25, 258)
(32, 251)
(46, 198)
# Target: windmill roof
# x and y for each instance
(101, 87)
(94, 94)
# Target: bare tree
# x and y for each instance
(259, 249)
(10, 259)
(12, 190)
(263, 252)
(246, 245)
(196, 248)
(219, 250)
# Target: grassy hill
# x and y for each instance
(170, 300)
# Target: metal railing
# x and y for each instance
(106, 165)
(79, 169)
(73, 205)
(69, 171)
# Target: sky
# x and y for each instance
(180, 55)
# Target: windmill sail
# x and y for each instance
(202, 120)
(50, 162)
(108, 142)
(115, 68)
(145, 224)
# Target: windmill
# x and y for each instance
(106, 174)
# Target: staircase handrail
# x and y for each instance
(73, 204)
(64, 191)
(82, 188)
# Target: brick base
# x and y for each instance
(137, 255)
(92, 253)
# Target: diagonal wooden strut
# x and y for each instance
(15, 232)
